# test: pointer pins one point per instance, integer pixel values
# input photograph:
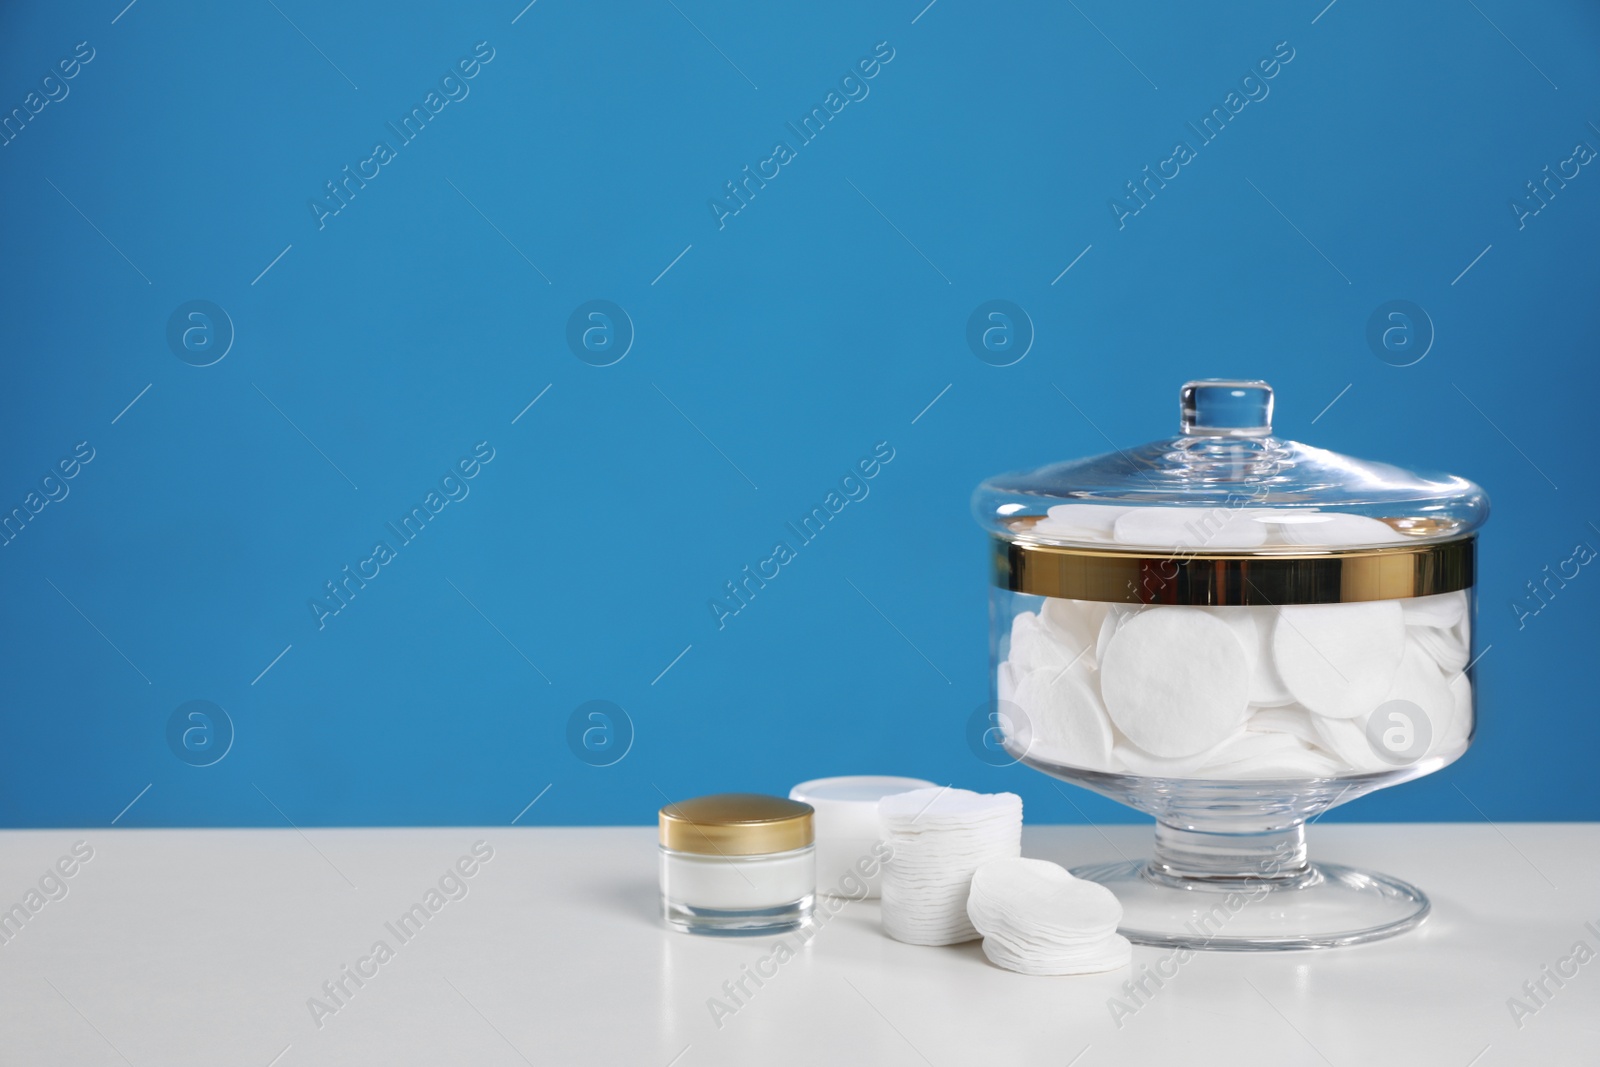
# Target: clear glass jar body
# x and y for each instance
(760, 894)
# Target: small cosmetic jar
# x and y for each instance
(737, 863)
(850, 848)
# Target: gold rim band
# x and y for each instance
(1390, 573)
(736, 824)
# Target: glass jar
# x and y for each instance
(737, 863)
(1233, 633)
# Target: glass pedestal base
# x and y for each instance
(1323, 905)
(1229, 869)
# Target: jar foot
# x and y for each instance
(1317, 905)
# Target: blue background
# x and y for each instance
(778, 349)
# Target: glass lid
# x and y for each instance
(1226, 484)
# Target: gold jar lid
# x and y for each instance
(736, 824)
(1393, 572)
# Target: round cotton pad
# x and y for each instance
(1444, 647)
(1442, 611)
(1298, 761)
(1175, 681)
(1347, 740)
(1045, 895)
(1245, 628)
(1331, 528)
(1252, 745)
(1115, 616)
(1291, 719)
(1125, 754)
(1079, 619)
(1454, 737)
(1095, 519)
(942, 804)
(1338, 659)
(1005, 683)
(1037, 644)
(1192, 528)
(1036, 918)
(1419, 683)
(1266, 684)
(1112, 953)
(1066, 718)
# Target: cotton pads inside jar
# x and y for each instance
(1210, 529)
(1240, 692)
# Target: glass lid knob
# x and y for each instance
(1225, 407)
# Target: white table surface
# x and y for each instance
(202, 947)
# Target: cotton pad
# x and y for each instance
(1295, 761)
(1036, 918)
(944, 805)
(1080, 522)
(1253, 745)
(1447, 650)
(1332, 528)
(1115, 617)
(1442, 611)
(1453, 738)
(1245, 628)
(1267, 687)
(1347, 740)
(938, 838)
(1044, 898)
(1038, 644)
(1420, 682)
(1066, 718)
(1190, 528)
(1079, 619)
(1175, 680)
(1006, 683)
(1425, 717)
(1259, 755)
(1126, 755)
(1339, 659)
(1056, 531)
(1291, 719)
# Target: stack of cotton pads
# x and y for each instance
(1036, 918)
(1235, 692)
(939, 837)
